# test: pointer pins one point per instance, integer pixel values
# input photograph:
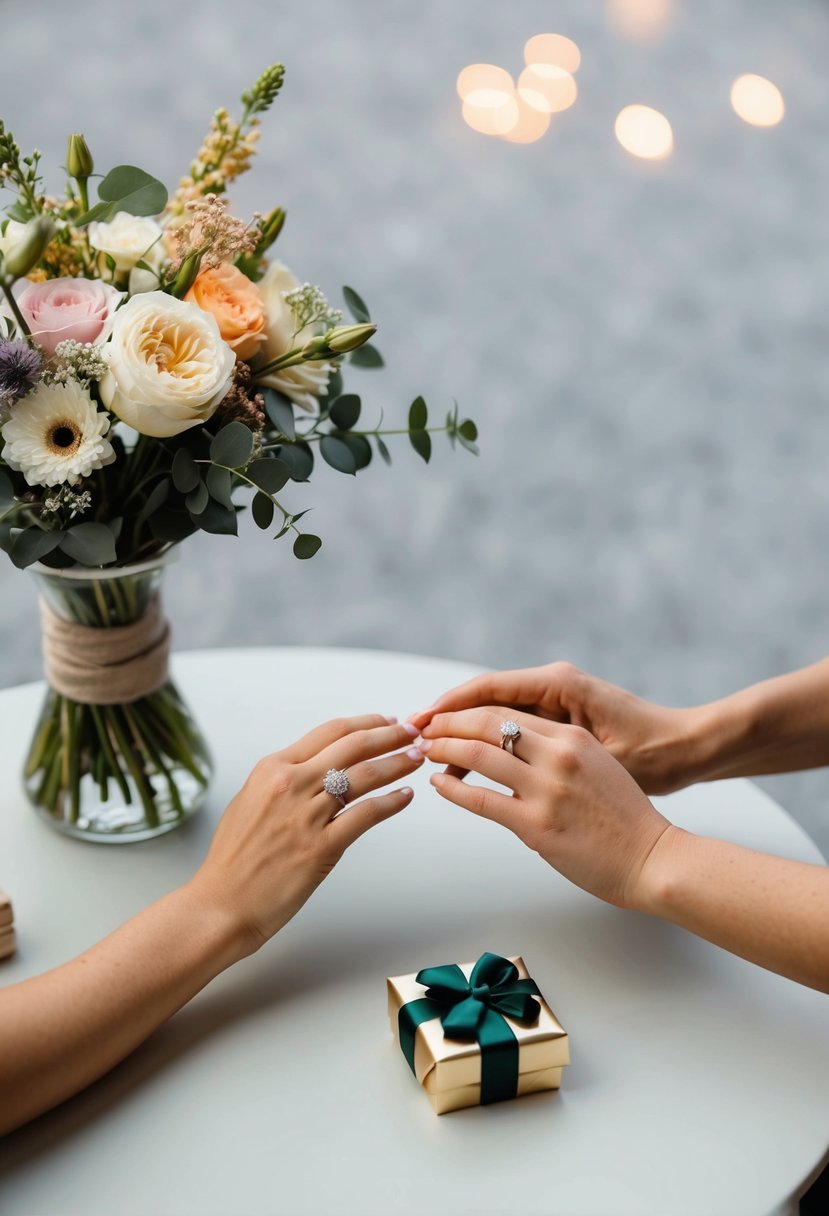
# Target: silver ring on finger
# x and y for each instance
(335, 782)
(510, 734)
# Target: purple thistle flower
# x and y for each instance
(19, 369)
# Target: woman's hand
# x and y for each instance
(282, 833)
(658, 746)
(572, 802)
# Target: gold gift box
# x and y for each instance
(450, 1069)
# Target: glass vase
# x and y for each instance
(104, 771)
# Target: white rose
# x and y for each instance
(168, 366)
(304, 382)
(127, 239)
(11, 236)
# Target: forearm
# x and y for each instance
(780, 725)
(63, 1030)
(767, 910)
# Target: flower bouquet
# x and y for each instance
(160, 371)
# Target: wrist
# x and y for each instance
(722, 733)
(661, 874)
(223, 931)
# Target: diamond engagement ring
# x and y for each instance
(335, 782)
(510, 731)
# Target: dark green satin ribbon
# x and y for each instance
(473, 1009)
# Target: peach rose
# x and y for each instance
(235, 303)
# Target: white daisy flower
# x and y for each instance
(56, 434)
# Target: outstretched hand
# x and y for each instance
(651, 741)
(283, 833)
(571, 800)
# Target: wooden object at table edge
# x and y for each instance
(7, 936)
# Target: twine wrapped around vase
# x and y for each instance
(106, 666)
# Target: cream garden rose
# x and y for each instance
(168, 366)
(127, 239)
(305, 382)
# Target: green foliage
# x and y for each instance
(32, 544)
(418, 415)
(185, 471)
(269, 473)
(126, 188)
(280, 412)
(299, 457)
(263, 510)
(306, 545)
(220, 485)
(336, 452)
(90, 544)
(356, 305)
(367, 356)
(232, 446)
(345, 411)
(421, 441)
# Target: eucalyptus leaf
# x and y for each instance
(7, 495)
(360, 449)
(366, 356)
(219, 485)
(185, 471)
(418, 415)
(338, 454)
(90, 544)
(345, 411)
(421, 441)
(232, 445)
(262, 510)
(32, 544)
(299, 458)
(197, 499)
(468, 430)
(280, 411)
(133, 190)
(218, 520)
(171, 526)
(155, 499)
(356, 305)
(469, 445)
(269, 474)
(116, 526)
(306, 546)
(383, 450)
(335, 387)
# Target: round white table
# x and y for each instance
(698, 1083)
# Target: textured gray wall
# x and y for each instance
(644, 345)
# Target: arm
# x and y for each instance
(586, 816)
(769, 911)
(279, 838)
(776, 726)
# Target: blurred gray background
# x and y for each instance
(643, 344)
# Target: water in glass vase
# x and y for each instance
(116, 755)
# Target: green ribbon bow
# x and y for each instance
(473, 1009)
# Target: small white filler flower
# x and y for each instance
(56, 435)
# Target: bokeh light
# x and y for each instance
(531, 123)
(490, 111)
(547, 88)
(483, 76)
(757, 101)
(554, 49)
(644, 132)
(640, 20)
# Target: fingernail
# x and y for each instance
(437, 779)
(411, 730)
(390, 719)
(425, 745)
(407, 792)
(414, 753)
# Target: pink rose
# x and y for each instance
(62, 309)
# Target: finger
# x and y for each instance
(351, 824)
(372, 775)
(484, 758)
(513, 688)
(542, 726)
(362, 744)
(323, 736)
(485, 724)
(489, 804)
